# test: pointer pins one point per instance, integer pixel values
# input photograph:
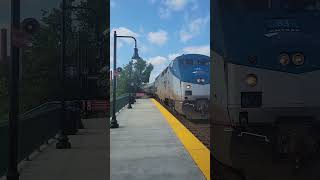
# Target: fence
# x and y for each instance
(35, 128)
(120, 103)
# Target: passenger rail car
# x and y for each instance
(185, 85)
(149, 89)
(265, 91)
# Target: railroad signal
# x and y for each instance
(30, 25)
(21, 37)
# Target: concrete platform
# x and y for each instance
(145, 147)
(86, 160)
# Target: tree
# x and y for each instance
(41, 62)
(136, 72)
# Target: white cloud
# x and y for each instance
(167, 6)
(158, 38)
(123, 31)
(159, 63)
(205, 50)
(157, 60)
(185, 36)
(173, 56)
(175, 5)
(193, 29)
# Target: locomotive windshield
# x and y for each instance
(259, 5)
(204, 63)
(196, 62)
(188, 62)
(301, 5)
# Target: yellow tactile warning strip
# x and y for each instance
(199, 152)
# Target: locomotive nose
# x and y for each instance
(201, 76)
(202, 80)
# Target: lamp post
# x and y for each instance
(131, 91)
(114, 123)
(130, 86)
(63, 142)
(12, 173)
(63, 139)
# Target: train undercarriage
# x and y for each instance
(287, 148)
(191, 109)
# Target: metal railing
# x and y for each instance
(36, 127)
(120, 103)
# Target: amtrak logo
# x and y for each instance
(197, 70)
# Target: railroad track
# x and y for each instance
(199, 128)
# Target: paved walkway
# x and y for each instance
(146, 148)
(87, 160)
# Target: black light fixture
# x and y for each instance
(135, 54)
(30, 25)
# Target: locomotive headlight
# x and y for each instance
(284, 59)
(200, 80)
(188, 86)
(251, 80)
(298, 59)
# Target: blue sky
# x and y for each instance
(164, 29)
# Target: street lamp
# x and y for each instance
(63, 142)
(114, 123)
(63, 139)
(131, 91)
(130, 85)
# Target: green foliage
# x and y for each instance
(134, 74)
(40, 75)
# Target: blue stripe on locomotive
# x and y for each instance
(190, 73)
